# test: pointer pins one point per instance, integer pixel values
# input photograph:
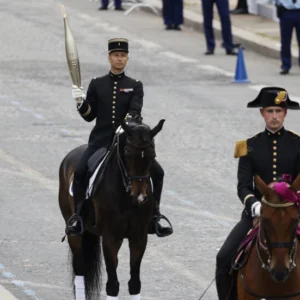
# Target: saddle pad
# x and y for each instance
(91, 179)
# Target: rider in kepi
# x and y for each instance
(110, 99)
(272, 154)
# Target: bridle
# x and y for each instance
(126, 178)
(267, 246)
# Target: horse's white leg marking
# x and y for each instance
(79, 288)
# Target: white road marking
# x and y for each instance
(214, 69)
(179, 57)
(29, 172)
(147, 44)
(18, 283)
(34, 284)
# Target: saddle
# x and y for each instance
(97, 164)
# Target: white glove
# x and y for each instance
(77, 93)
(255, 209)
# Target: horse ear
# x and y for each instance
(157, 128)
(296, 184)
(261, 185)
(126, 128)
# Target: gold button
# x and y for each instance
(115, 87)
(113, 117)
(113, 111)
(274, 166)
(113, 122)
(274, 159)
(113, 107)
(274, 178)
(274, 172)
(278, 133)
(269, 133)
(275, 153)
(114, 102)
(114, 97)
(274, 141)
(116, 82)
(114, 92)
(274, 148)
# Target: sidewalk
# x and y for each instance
(253, 32)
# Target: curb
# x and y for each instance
(249, 40)
(5, 294)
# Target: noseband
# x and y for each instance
(127, 179)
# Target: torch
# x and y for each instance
(71, 51)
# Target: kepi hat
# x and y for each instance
(118, 44)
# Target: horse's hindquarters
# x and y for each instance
(66, 171)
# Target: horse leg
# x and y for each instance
(78, 266)
(86, 263)
(111, 248)
(137, 246)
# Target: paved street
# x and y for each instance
(205, 114)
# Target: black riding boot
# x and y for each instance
(155, 226)
(75, 224)
(223, 283)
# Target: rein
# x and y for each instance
(125, 177)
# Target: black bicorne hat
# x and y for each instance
(273, 96)
(118, 44)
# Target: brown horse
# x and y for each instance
(120, 207)
(273, 268)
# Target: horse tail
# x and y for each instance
(92, 256)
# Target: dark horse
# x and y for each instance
(273, 267)
(121, 206)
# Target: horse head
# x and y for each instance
(139, 156)
(277, 241)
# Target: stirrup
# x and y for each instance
(160, 230)
(71, 229)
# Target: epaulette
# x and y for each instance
(295, 133)
(241, 147)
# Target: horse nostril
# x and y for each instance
(280, 275)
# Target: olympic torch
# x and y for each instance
(71, 51)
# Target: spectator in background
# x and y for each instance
(173, 14)
(118, 5)
(241, 8)
(223, 9)
(288, 12)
